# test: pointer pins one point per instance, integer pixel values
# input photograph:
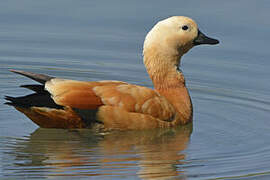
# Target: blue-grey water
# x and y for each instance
(102, 40)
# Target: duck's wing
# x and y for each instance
(117, 105)
(61, 103)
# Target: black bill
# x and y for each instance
(203, 39)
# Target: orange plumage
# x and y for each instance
(61, 103)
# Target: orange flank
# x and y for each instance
(116, 105)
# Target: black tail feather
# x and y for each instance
(41, 97)
(41, 78)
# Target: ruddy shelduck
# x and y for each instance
(116, 105)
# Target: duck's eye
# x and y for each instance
(185, 27)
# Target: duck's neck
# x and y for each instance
(169, 81)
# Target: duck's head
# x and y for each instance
(175, 36)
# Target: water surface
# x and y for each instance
(100, 40)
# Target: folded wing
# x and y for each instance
(61, 103)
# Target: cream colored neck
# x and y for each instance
(163, 69)
(170, 82)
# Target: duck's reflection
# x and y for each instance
(150, 154)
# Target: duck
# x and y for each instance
(116, 105)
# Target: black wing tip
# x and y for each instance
(9, 103)
(33, 100)
(10, 99)
(15, 105)
(35, 87)
(13, 101)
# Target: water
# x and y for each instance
(99, 40)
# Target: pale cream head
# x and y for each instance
(166, 43)
(172, 35)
